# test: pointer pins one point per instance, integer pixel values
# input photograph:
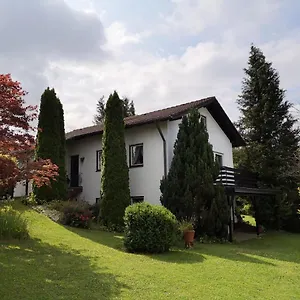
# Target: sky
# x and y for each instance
(158, 53)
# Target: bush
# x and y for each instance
(12, 224)
(58, 205)
(94, 209)
(77, 214)
(149, 228)
(292, 224)
(29, 201)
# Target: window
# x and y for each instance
(137, 199)
(219, 159)
(203, 119)
(98, 160)
(136, 156)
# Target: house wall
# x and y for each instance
(220, 142)
(144, 181)
(20, 189)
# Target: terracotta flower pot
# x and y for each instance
(189, 236)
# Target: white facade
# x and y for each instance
(144, 180)
(20, 189)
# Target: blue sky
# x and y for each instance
(158, 53)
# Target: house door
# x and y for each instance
(74, 172)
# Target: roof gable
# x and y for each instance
(172, 113)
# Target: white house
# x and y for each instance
(149, 140)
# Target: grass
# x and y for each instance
(66, 263)
(249, 219)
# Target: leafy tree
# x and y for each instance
(51, 144)
(115, 193)
(128, 110)
(17, 141)
(188, 191)
(268, 128)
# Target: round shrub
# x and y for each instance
(149, 228)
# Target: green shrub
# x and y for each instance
(12, 224)
(149, 228)
(29, 201)
(77, 214)
(94, 209)
(59, 205)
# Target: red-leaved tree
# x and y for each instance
(17, 140)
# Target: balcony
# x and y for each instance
(240, 181)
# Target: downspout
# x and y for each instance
(164, 148)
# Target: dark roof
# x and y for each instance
(171, 113)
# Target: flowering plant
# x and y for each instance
(77, 214)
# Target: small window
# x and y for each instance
(136, 156)
(219, 159)
(203, 119)
(98, 160)
(137, 199)
(97, 200)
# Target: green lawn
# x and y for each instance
(65, 263)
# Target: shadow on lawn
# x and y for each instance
(115, 241)
(34, 270)
(274, 245)
(281, 247)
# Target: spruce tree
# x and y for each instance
(115, 193)
(51, 145)
(188, 190)
(99, 117)
(268, 127)
(128, 110)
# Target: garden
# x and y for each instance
(68, 249)
(62, 262)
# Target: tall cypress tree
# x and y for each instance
(115, 193)
(267, 126)
(51, 144)
(188, 191)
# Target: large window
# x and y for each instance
(136, 155)
(219, 159)
(98, 160)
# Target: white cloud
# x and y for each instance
(234, 17)
(118, 38)
(212, 66)
(192, 16)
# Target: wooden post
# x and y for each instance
(230, 202)
(277, 210)
(256, 214)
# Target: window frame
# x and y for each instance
(130, 156)
(205, 120)
(98, 162)
(220, 155)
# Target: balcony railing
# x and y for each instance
(231, 177)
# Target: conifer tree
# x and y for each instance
(51, 145)
(188, 190)
(268, 128)
(115, 193)
(128, 110)
(99, 116)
